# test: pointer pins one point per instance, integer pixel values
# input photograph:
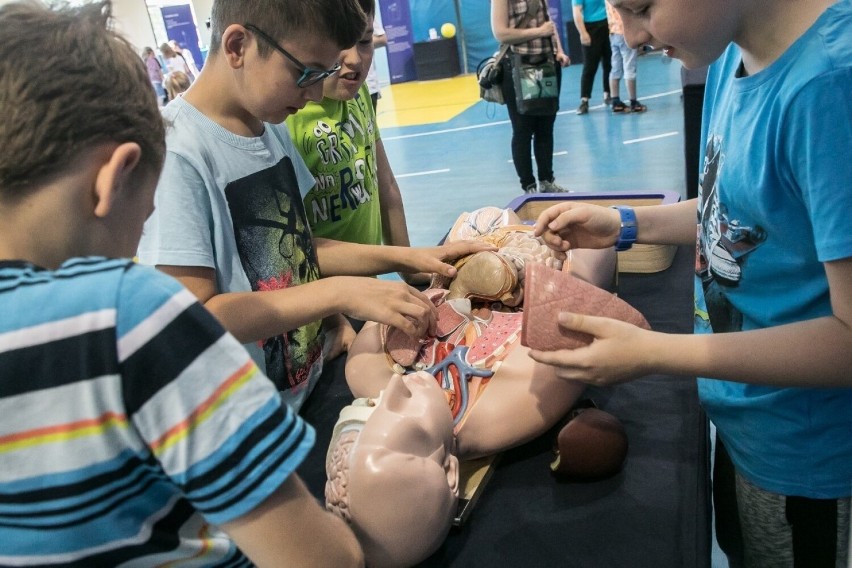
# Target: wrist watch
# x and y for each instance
(627, 234)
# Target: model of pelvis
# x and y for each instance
(423, 404)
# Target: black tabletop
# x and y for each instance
(654, 513)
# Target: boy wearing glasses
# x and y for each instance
(229, 221)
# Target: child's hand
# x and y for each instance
(578, 225)
(392, 303)
(437, 259)
(620, 351)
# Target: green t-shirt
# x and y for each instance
(337, 140)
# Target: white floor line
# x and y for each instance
(499, 122)
(646, 138)
(426, 173)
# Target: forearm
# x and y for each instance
(675, 224)
(394, 226)
(579, 22)
(338, 258)
(813, 353)
(256, 316)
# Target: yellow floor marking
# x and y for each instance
(426, 102)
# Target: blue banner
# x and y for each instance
(396, 19)
(180, 26)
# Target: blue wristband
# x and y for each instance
(627, 235)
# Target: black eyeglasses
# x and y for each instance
(310, 76)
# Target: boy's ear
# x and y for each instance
(114, 173)
(234, 42)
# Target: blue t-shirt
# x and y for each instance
(234, 204)
(593, 10)
(131, 423)
(774, 205)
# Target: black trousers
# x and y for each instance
(529, 132)
(599, 52)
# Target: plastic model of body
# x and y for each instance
(507, 398)
(469, 391)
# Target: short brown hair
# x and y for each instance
(67, 83)
(341, 21)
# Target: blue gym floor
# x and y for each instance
(445, 168)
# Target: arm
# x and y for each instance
(256, 316)
(506, 34)
(811, 353)
(582, 225)
(263, 533)
(561, 57)
(580, 24)
(341, 258)
(394, 227)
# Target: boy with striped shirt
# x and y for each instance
(133, 428)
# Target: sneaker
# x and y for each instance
(531, 188)
(636, 106)
(608, 99)
(583, 108)
(619, 106)
(552, 187)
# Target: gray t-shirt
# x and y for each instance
(234, 204)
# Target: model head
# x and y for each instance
(394, 476)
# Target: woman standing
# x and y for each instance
(174, 62)
(526, 27)
(590, 20)
(155, 74)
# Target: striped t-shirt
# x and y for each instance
(127, 413)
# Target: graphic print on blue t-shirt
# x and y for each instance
(276, 251)
(723, 247)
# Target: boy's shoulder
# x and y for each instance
(118, 289)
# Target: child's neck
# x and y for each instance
(212, 97)
(770, 27)
(40, 228)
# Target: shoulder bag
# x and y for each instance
(489, 72)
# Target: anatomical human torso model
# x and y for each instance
(425, 403)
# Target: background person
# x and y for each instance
(590, 20)
(623, 65)
(380, 39)
(155, 74)
(186, 55)
(530, 134)
(177, 82)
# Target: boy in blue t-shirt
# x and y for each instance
(773, 286)
(133, 429)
